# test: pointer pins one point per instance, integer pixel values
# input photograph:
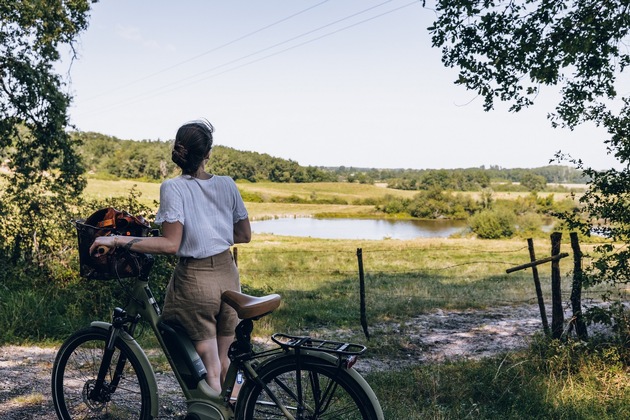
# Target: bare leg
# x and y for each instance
(214, 354)
(209, 352)
(224, 342)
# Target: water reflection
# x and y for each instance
(359, 228)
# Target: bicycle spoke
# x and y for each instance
(322, 394)
(75, 381)
(322, 399)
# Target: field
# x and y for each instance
(437, 311)
(267, 191)
(348, 193)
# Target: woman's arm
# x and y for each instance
(242, 231)
(168, 243)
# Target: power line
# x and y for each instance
(207, 52)
(162, 91)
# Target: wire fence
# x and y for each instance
(342, 258)
(421, 273)
(396, 282)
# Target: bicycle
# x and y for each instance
(102, 372)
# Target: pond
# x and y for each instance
(359, 228)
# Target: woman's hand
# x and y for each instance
(168, 243)
(107, 243)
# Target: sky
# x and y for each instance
(350, 83)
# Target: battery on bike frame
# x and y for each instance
(186, 359)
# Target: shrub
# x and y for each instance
(530, 223)
(493, 224)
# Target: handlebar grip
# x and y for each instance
(101, 250)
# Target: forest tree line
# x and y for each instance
(109, 157)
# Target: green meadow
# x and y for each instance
(319, 282)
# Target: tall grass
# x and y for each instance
(403, 278)
(567, 383)
(318, 280)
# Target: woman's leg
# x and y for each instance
(209, 352)
(214, 354)
(224, 342)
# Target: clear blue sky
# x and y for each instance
(324, 83)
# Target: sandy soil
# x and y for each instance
(443, 335)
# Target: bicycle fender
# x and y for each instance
(330, 359)
(144, 362)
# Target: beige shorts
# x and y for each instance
(193, 296)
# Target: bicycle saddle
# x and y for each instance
(250, 307)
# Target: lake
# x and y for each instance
(359, 228)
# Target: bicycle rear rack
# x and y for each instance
(305, 342)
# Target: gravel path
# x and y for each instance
(443, 335)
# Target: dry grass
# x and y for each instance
(322, 190)
(29, 399)
(101, 189)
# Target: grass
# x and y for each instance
(349, 192)
(318, 280)
(29, 399)
(514, 386)
(264, 211)
(101, 189)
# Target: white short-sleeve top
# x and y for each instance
(208, 210)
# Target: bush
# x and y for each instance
(530, 224)
(50, 300)
(251, 197)
(493, 224)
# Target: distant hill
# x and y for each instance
(109, 157)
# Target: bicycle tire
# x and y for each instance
(75, 370)
(328, 392)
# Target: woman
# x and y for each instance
(202, 216)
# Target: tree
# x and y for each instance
(509, 50)
(533, 182)
(493, 224)
(45, 172)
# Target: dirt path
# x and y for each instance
(443, 335)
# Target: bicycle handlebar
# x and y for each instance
(101, 250)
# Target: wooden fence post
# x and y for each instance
(576, 290)
(539, 294)
(557, 313)
(362, 293)
(533, 264)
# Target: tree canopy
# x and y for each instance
(507, 50)
(45, 172)
(109, 157)
(510, 50)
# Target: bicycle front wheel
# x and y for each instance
(125, 394)
(319, 391)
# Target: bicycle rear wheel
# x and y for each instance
(125, 394)
(327, 392)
